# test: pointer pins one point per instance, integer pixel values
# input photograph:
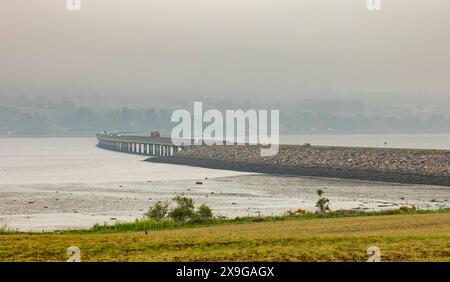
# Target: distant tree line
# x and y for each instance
(82, 120)
(28, 115)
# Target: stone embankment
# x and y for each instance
(393, 165)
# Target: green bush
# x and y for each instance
(159, 211)
(4, 229)
(322, 203)
(184, 209)
(202, 215)
(204, 211)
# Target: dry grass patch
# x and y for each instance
(408, 237)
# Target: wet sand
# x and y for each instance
(68, 183)
(49, 207)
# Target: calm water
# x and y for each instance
(78, 160)
(61, 183)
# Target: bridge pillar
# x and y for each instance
(139, 146)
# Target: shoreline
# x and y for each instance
(311, 171)
(62, 207)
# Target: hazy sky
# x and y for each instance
(277, 49)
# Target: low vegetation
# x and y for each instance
(322, 203)
(147, 224)
(401, 236)
(4, 229)
(184, 211)
(177, 231)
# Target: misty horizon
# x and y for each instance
(302, 57)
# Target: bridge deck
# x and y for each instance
(117, 137)
(135, 144)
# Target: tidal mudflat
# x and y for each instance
(49, 207)
(66, 183)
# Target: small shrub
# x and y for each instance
(322, 203)
(4, 229)
(204, 211)
(184, 209)
(159, 211)
(203, 214)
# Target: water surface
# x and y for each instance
(62, 183)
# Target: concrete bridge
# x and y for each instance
(152, 145)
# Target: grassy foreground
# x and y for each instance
(401, 237)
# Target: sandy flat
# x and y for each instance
(48, 207)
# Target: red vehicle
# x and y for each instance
(155, 134)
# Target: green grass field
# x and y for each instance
(401, 237)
